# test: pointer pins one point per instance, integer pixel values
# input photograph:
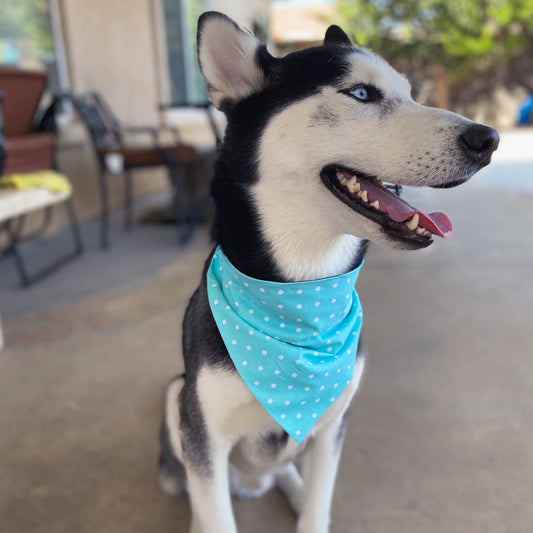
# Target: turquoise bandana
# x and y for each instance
(294, 344)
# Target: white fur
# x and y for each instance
(227, 58)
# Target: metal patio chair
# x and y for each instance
(108, 139)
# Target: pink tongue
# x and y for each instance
(400, 211)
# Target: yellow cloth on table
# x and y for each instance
(50, 179)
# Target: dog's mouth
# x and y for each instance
(375, 200)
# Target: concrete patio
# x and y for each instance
(440, 436)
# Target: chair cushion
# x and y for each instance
(29, 152)
(151, 156)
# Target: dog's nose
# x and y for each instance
(479, 142)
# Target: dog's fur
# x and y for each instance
(289, 120)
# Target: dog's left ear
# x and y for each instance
(229, 61)
(336, 36)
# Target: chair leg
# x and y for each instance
(128, 196)
(176, 177)
(75, 227)
(104, 215)
(13, 246)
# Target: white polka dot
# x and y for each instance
(299, 306)
(298, 433)
(251, 311)
(317, 400)
(237, 326)
(326, 374)
(329, 341)
(280, 292)
(267, 337)
(251, 332)
(276, 372)
(283, 417)
(281, 357)
(299, 291)
(248, 347)
(244, 363)
(298, 362)
(318, 288)
(314, 415)
(336, 385)
(303, 402)
(311, 376)
(334, 300)
(264, 352)
(215, 302)
(287, 402)
(213, 284)
(307, 389)
(316, 319)
(280, 306)
(256, 383)
(224, 321)
(332, 399)
(294, 374)
(315, 334)
(338, 371)
(317, 304)
(332, 315)
(298, 330)
(273, 385)
(298, 320)
(236, 304)
(270, 400)
(246, 284)
(330, 349)
(260, 368)
(322, 387)
(335, 285)
(234, 342)
(349, 280)
(290, 387)
(261, 289)
(228, 307)
(282, 325)
(267, 319)
(299, 415)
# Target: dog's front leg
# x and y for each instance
(210, 495)
(320, 462)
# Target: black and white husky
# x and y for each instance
(299, 192)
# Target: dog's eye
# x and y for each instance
(361, 94)
(365, 93)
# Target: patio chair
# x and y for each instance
(24, 150)
(113, 154)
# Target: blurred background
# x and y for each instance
(108, 94)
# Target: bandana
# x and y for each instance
(294, 344)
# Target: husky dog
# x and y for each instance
(299, 192)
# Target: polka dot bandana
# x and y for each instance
(294, 344)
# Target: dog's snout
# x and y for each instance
(479, 142)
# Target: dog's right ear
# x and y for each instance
(228, 60)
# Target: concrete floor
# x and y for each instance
(440, 436)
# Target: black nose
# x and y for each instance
(479, 142)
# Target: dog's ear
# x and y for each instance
(336, 36)
(228, 60)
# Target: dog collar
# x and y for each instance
(294, 344)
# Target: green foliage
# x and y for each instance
(462, 36)
(27, 20)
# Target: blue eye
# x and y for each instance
(361, 94)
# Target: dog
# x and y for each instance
(300, 189)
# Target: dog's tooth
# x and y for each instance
(375, 204)
(420, 230)
(353, 186)
(363, 195)
(341, 177)
(380, 181)
(413, 222)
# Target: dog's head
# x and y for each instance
(323, 128)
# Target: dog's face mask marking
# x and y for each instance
(329, 125)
